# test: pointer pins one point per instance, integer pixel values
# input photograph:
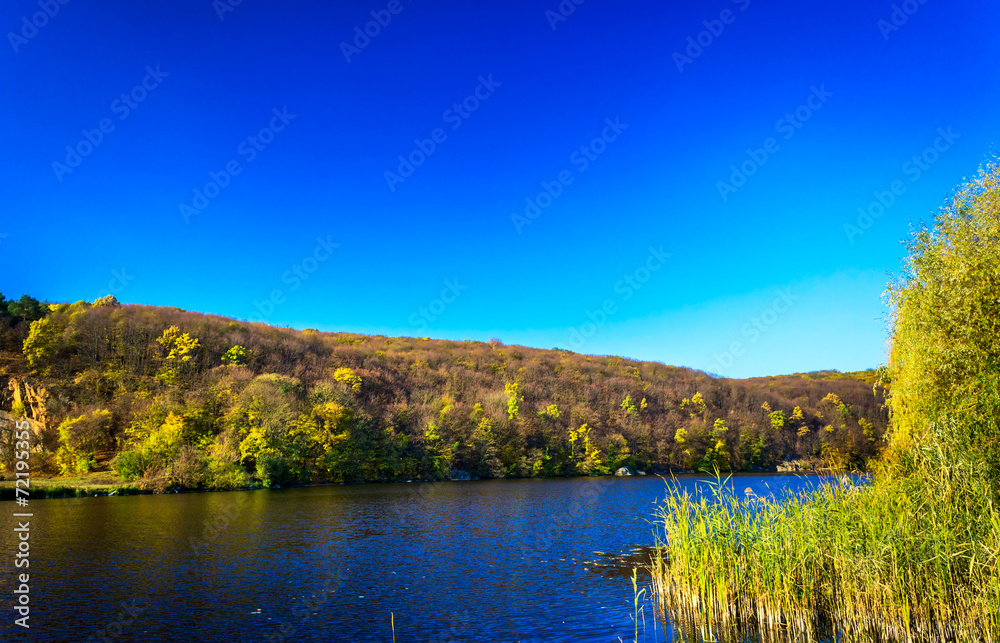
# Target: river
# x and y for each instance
(499, 560)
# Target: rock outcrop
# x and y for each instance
(25, 396)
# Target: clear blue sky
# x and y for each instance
(509, 96)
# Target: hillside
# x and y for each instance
(167, 397)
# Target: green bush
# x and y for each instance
(272, 469)
(227, 475)
(132, 464)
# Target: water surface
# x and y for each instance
(505, 560)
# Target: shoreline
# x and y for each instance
(101, 486)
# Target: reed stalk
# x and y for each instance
(893, 561)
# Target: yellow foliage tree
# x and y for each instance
(551, 411)
(349, 377)
(79, 438)
(180, 345)
(592, 462)
(40, 342)
(513, 407)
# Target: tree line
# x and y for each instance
(167, 397)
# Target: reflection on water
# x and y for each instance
(510, 560)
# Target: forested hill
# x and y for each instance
(167, 397)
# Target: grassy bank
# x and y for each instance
(915, 555)
(94, 484)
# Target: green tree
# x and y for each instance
(485, 455)
(628, 406)
(236, 355)
(26, 308)
(716, 454)
(319, 438)
(551, 411)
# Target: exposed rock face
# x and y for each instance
(624, 471)
(27, 394)
(458, 474)
(23, 398)
(791, 466)
(8, 425)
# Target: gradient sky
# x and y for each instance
(312, 219)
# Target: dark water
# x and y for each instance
(510, 560)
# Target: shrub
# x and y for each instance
(189, 468)
(132, 464)
(272, 469)
(227, 475)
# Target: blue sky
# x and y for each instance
(651, 179)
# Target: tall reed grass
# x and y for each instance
(915, 555)
(895, 561)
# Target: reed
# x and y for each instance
(900, 560)
(913, 556)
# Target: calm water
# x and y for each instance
(509, 560)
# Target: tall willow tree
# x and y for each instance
(945, 357)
